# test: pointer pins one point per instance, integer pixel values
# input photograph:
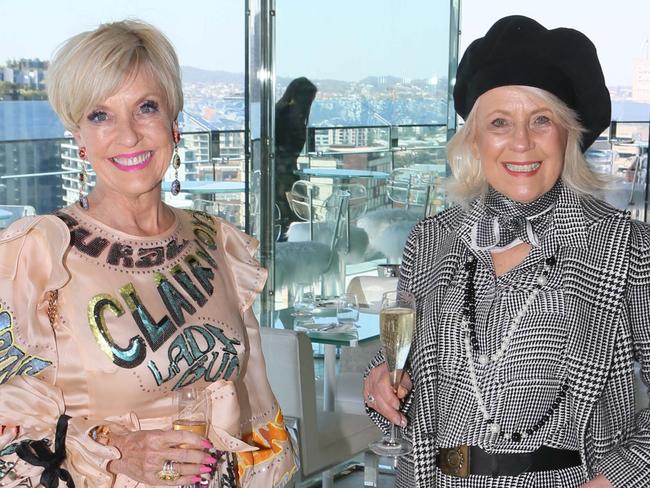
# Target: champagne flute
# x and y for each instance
(397, 324)
(192, 414)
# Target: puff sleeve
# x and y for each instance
(273, 463)
(31, 266)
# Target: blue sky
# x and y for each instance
(338, 39)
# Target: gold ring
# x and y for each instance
(168, 473)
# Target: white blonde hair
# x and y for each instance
(89, 67)
(468, 181)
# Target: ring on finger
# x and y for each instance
(168, 473)
(371, 399)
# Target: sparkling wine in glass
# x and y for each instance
(192, 414)
(396, 324)
(190, 411)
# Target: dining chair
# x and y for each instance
(353, 361)
(412, 191)
(325, 439)
(313, 260)
(313, 202)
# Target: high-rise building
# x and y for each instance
(29, 155)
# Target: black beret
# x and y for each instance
(520, 51)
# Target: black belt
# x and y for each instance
(462, 461)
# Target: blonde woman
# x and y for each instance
(116, 302)
(532, 295)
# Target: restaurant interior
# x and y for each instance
(327, 150)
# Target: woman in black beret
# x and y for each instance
(532, 295)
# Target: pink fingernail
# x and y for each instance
(206, 444)
(205, 469)
(195, 479)
(403, 423)
(209, 460)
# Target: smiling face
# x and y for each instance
(520, 143)
(128, 138)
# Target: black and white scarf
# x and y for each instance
(506, 223)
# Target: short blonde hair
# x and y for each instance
(468, 181)
(91, 66)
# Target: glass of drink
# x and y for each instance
(304, 302)
(192, 414)
(347, 309)
(396, 324)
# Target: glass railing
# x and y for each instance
(39, 176)
(379, 149)
(621, 155)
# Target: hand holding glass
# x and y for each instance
(192, 414)
(397, 324)
(190, 411)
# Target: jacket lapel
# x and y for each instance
(595, 282)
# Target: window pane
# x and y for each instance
(39, 162)
(361, 93)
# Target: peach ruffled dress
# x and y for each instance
(137, 317)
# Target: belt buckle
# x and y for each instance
(454, 461)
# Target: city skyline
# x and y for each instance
(390, 42)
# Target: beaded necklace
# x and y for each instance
(468, 325)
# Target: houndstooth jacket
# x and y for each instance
(606, 278)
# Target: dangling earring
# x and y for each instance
(176, 163)
(83, 178)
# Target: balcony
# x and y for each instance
(43, 173)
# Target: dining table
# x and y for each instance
(321, 327)
(342, 173)
(197, 187)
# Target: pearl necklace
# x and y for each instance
(468, 325)
(468, 322)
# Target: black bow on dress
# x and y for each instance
(38, 453)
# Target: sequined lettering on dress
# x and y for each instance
(13, 360)
(120, 253)
(128, 357)
(202, 274)
(93, 248)
(197, 347)
(173, 300)
(229, 361)
(6, 467)
(156, 333)
(150, 256)
(174, 249)
(196, 352)
(193, 334)
(205, 255)
(205, 238)
(67, 220)
(203, 219)
(188, 285)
